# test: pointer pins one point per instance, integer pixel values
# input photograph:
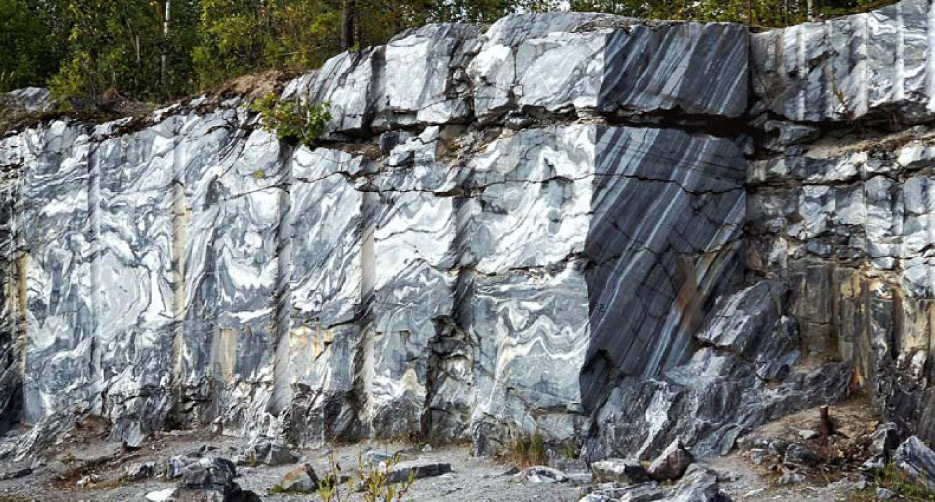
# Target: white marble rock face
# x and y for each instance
(427, 273)
(532, 65)
(220, 274)
(847, 67)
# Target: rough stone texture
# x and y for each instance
(29, 99)
(482, 251)
(671, 463)
(917, 460)
(302, 479)
(719, 394)
(848, 67)
(698, 485)
(619, 471)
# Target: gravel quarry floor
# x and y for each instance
(471, 479)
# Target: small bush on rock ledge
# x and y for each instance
(302, 122)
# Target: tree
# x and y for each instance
(348, 24)
(28, 56)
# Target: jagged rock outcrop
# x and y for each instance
(593, 228)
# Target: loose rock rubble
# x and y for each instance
(302, 479)
(671, 464)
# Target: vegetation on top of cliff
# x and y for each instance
(292, 120)
(159, 50)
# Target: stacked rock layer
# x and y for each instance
(596, 229)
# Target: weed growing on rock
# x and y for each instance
(376, 482)
(303, 122)
(529, 450)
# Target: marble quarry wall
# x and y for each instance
(605, 231)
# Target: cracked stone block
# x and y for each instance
(718, 394)
(413, 291)
(649, 285)
(597, 62)
(364, 92)
(847, 67)
(54, 216)
(134, 276)
(532, 336)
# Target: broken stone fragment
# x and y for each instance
(302, 479)
(542, 474)
(139, 471)
(808, 434)
(375, 457)
(874, 463)
(161, 495)
(643, 492)
(16, 473)
(672, 463)
(698, 485)
(212, 473)
(174, 467)
(797, 454)
(87, 481)
(270, 453)
(885, 439)
(917, 460)
(620, 471)
(402, 472)
(791, 478)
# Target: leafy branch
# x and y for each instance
(302, 122)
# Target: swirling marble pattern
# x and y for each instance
(56, 233)
(325, 294)
(534, 64)
(475, 250)
(651, 281)
(848, 67)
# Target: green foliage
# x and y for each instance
(373, 481)
(528, 450)
(303, 122)
(89, 48)
(28, 57)
(905, 487)
(772, 13)
(108, 45)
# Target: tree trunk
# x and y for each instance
(165, 44)
(348, 24)
(812, 14)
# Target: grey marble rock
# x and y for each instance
(799, 455)
(27, 99)
(476, 254)
(609, 64)
(885, 439)
(365, 90)
(671, 463)
(917, 460)
(404, 471)
(717, 395)
(542, 474)
(302, 479)
(619, 471)
(847, 67)
(698, 485)
(532, 64)
(643, 492)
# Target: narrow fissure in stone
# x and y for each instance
(282, 373)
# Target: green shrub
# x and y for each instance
(529, 450)
(302, 122)
(373, 481)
